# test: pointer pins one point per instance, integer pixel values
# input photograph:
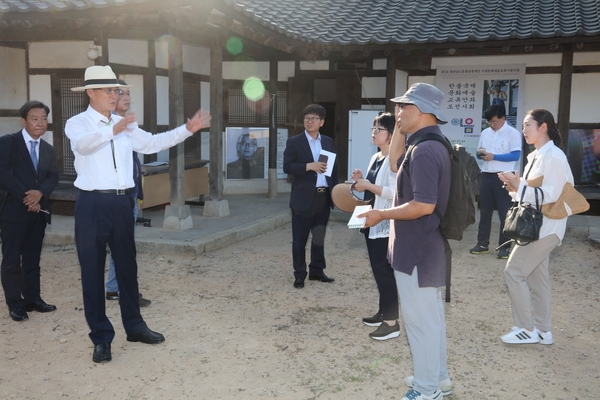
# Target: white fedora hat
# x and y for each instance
(97, 77)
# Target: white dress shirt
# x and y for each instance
(503, 141)
(315, 148)
(90, 135)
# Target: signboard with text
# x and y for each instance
(470, 90)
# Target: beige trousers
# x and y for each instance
(528, 281)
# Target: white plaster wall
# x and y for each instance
(380, 63)
(242, 70)
(373, 87)
(585, 106)
(128, 52)
(162, 109)
(161, 49)
(39, 89)
(13, 78)
(196, 60)
(285, 70)
(533, 60)
(137, 95)
(10, 124)
(401, 82)
(162, 100)
(587, 58)
(417, 79)
(67, 54)
(541, 91)
(314, 66)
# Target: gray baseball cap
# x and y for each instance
(426, 97)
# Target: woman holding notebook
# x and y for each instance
(378, 186)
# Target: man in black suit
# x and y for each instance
(29, 174)
(310, 199)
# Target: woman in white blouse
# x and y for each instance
(526, 272)
(379, 185)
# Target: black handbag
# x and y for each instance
(523, 221)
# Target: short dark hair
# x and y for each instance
(316, 109)
(496, 110)
(30, 105)
(387, 120)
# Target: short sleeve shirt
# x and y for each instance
(419, 242)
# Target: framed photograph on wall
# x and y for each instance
(246, 153)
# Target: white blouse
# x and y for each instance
(386, 178)
(551, 163)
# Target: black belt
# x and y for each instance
(118, 192)
(322, 189)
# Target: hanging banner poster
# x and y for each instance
(470, 90)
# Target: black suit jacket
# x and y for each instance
(296, 155)
(18, 175)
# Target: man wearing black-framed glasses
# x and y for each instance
(310, 199)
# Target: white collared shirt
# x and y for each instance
(90, 135)
(27, 138)
(315, 148)
(551, 163)
(503, 141)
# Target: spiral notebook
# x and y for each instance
(355, 222)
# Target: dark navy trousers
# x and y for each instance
(101, 219)
(492, 195)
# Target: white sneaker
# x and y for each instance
(445, 385)
(545, 337)
(413, 394)
(521, 336)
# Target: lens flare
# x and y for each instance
(234, 46)
(253, 88)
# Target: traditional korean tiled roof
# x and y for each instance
(360, 22)
(380, 22)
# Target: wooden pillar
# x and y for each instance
(216, 206)
(564, 96)
(176, 118)
(150, 111)
(215, 173)
(273, 73)
(390, 82)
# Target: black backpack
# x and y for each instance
(464, 185)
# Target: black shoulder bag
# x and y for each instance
(523, 221)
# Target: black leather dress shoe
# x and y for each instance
(102, 353)
(18, 314)
(322, 278)
(299, 283)
(146, 336)
(40, 306)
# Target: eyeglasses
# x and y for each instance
(312, 119)
(110, 91)
(377, 129)
(124, 93)
(494, 122)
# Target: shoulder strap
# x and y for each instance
(426, 136)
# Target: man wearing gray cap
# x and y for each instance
(417, 251)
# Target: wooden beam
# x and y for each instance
(564, 97)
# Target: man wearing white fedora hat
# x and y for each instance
(103, 146)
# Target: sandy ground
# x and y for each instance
(236, 328)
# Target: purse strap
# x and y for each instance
(537, 202)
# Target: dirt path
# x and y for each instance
(236, 328)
